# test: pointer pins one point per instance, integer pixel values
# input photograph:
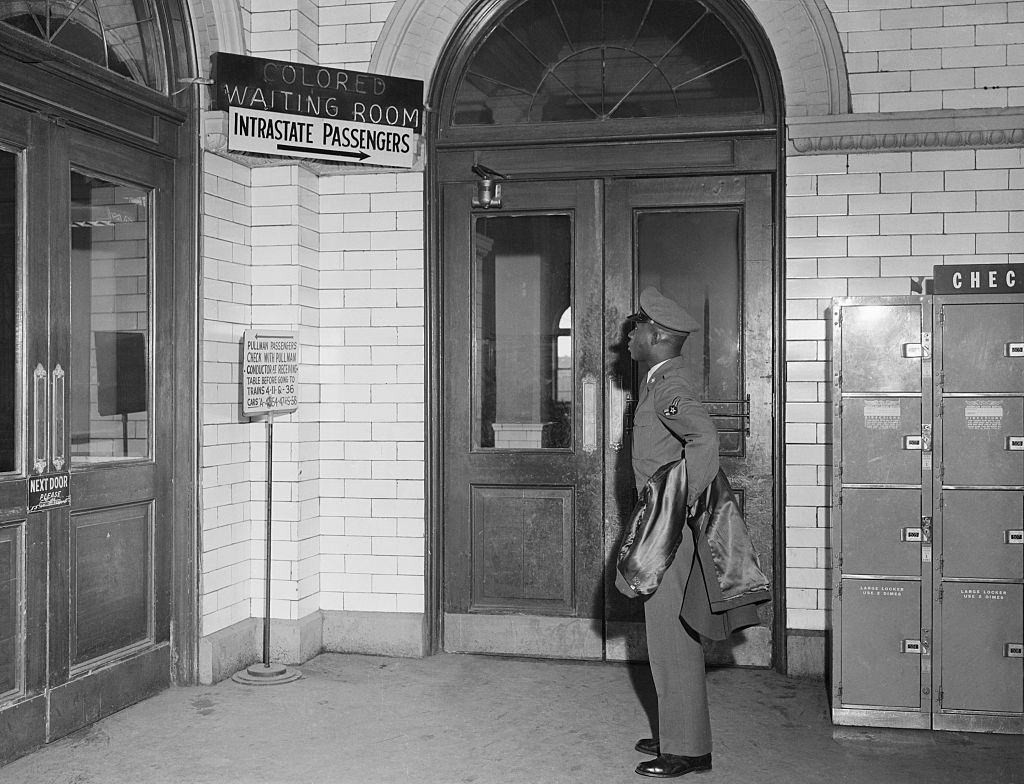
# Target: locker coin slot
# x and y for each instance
(1014, 650)
(911, 535)
(1013, 350)
(1015, 443)
(1014, 536)
(912, 646)
(913, 443)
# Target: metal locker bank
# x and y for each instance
(927, 512)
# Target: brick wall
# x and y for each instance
(863, 225)
(914, 55)
(227, 516)
(340, 257)
(371, 392)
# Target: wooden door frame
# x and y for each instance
(555, 469)
(672, 147)
(760, 152)
(88, 97)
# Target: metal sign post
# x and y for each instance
(270, 363)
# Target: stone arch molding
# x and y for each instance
(802, 35)
(217, 25)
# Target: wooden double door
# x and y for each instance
(85, 350)
(539, 388)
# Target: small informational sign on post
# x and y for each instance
(270, 369)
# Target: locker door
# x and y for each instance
(882, 648)
(982, 630)
(881, 622)
(979, 399)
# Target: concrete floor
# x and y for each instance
(476, 720)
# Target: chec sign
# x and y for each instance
(300, 110)
(979, 279)
(270, 368)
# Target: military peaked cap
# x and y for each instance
(664, 312)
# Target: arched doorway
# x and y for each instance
(97, 261)
(635, 144)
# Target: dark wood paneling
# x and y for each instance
(11, 579)
(36, 533)
(22, 728)
(111, 569)
(85, 94)
(87, 699)
(13, 495)
(614, 158)
(522, 548)
(113, 484)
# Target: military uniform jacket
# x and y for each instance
(670, 422)
(668, 419)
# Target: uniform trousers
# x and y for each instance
(677, 662)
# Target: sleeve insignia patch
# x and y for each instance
(673, 407)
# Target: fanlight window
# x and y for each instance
(120, 35)
(598, 60)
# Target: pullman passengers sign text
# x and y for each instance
(270, 367)
(309, 111)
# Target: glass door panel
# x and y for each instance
(8, 313)
(522, 330)
(110, 321)
(693, 257)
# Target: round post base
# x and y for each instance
(266, 675)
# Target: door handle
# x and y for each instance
(57, 428)
(589, 414)
(40, 455)
(619, 400)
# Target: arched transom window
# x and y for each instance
(599, 60)
(120, 35)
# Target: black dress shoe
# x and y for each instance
(668, 766)
(648, 746)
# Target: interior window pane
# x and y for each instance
(505, 60)
(668, 24)
(117, 34)
(486, 102)
(536, 24)
(522, 332)
(582, 20)
(8, 314)
(556, 103)
(602, 60)
(110, 329)
(693, 257)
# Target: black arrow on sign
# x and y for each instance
(362, 156)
